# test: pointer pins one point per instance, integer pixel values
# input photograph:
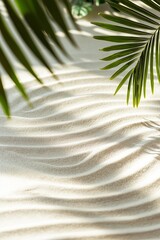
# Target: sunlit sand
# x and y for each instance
(80, 164)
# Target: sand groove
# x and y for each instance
(81, 164)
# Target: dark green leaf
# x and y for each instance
(57, 13)
(158, 55)
(129, 88)
(123, 80)
(9, 70)
(125, 21)
(152, 64)
(39, 24)
(12, 44)
(121, 54)
(152, 4)
(120, 29)
(122, 69)
(3, 99)
(120, 61)
(146, 66)
(144, 47)
(140, 9)
(121, 39)
(133, 13)
(24, 33)
(123, 46)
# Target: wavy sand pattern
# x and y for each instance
(80, 164)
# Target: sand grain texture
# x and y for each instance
(81, 164)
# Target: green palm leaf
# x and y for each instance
(140, 54)
(32, 18)
(3, 99)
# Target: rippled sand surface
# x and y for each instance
(80, 165)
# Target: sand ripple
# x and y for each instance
(80, 164)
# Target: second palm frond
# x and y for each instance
(138, 48)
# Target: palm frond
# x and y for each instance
(32, 19)
(139, 50)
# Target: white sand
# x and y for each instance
(80, 164)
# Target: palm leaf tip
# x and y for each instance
(3, 100)
(144, 22)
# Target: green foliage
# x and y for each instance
(32, 18)
(137, 54)
(81, 8)
(139, 50)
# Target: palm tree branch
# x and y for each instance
(33, 23)
(138, 51)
